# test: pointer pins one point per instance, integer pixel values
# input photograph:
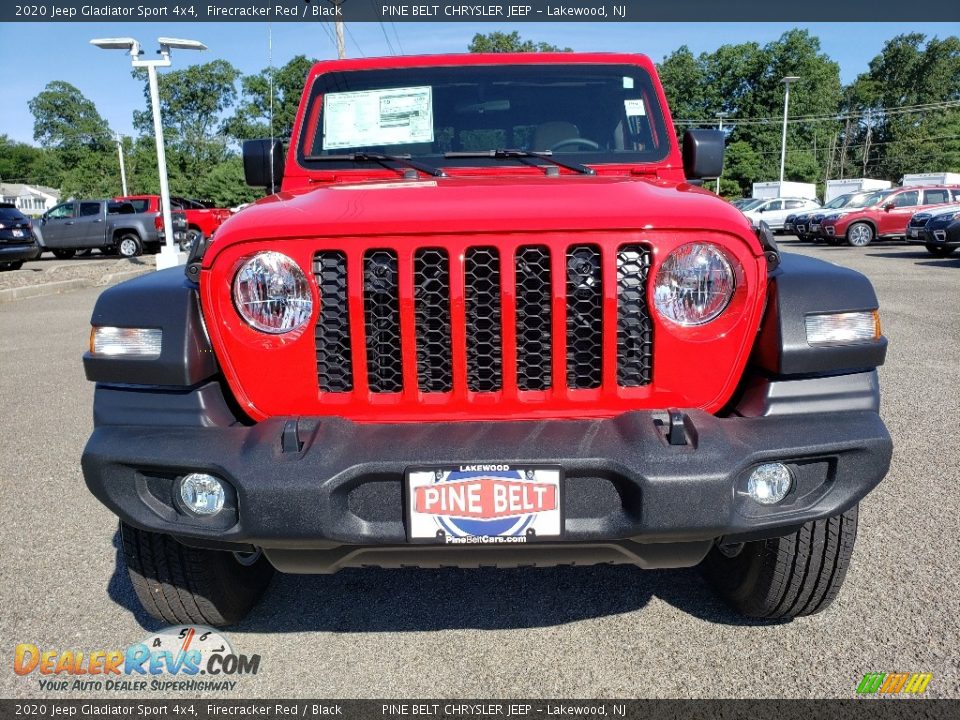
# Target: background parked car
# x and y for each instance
(202, 221)
(809, 223)
(774, 211)
(112, 227)
(886, 215)
(938, 230)
(17, 241)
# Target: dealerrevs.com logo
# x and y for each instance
(183, 658)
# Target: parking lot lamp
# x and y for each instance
(169, 256)
(786, 105)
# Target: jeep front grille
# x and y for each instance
(510, 303)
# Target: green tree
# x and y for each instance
(193, 102)
(499, 42)
(20, 162)
(252, 116)
(225, 185)
(78, 139)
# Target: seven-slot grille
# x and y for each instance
(528, 303)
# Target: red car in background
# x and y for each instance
(202, 221)
(885, 215)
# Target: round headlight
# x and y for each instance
(271, 293)
(694, 284)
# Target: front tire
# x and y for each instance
(11, 265)
(190, 238)
(860, 234)
(64, 253)
(939, 251)
(783, 578)
(180, 584)
(129, 246)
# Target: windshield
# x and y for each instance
(842, 201)
(867, 200)
(751, 204)
(582, 113)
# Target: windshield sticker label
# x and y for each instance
(378, 117)
(634, 108)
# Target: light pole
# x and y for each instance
(719, 115)
(123, 168)
(786, 106)
(168, 257)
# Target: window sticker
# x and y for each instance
(634, 108)
(627, 82)
(378, 117)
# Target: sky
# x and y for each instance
(61, 51)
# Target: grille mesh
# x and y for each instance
(482, 299)
(384, 301)
(381, 314)
(431, 271)
(534, 317)
(634, 326)
(584, 317)
(332, 332)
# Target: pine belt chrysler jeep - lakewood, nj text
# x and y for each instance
(484, 319)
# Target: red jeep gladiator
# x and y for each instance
(202, 221)
(486, 317)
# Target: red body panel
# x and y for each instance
(206, 220)
(504, 206)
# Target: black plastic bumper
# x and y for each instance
(10, 252)
(341, 494)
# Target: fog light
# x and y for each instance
(201, 493)
(770, 483)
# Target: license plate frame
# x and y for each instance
(483, 504)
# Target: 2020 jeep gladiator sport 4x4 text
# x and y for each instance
(486, 320)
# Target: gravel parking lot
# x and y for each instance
(566, 632)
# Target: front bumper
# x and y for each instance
(628, 494)
(937, 234)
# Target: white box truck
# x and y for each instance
(836, 188)
(941, 178)
(776, 189)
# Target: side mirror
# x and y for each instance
(703, 153)
(888, 206)
(263, 163)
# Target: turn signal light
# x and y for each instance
(841, 328)
(126, 342)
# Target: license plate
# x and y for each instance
(18, 233)
(484, 504)
(914, 233)
(814, 228)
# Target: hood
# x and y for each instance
(937, 212)
(483, 204)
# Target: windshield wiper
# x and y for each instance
(380, 158)
(501, 154)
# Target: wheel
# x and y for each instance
(580, 142)
(129, 246)
(180, 584)
(64, 253)
(859, 234)
(11, 265)
(785, 577)
(190, 238)
(939, 250)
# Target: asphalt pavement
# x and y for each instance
(609, 632)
